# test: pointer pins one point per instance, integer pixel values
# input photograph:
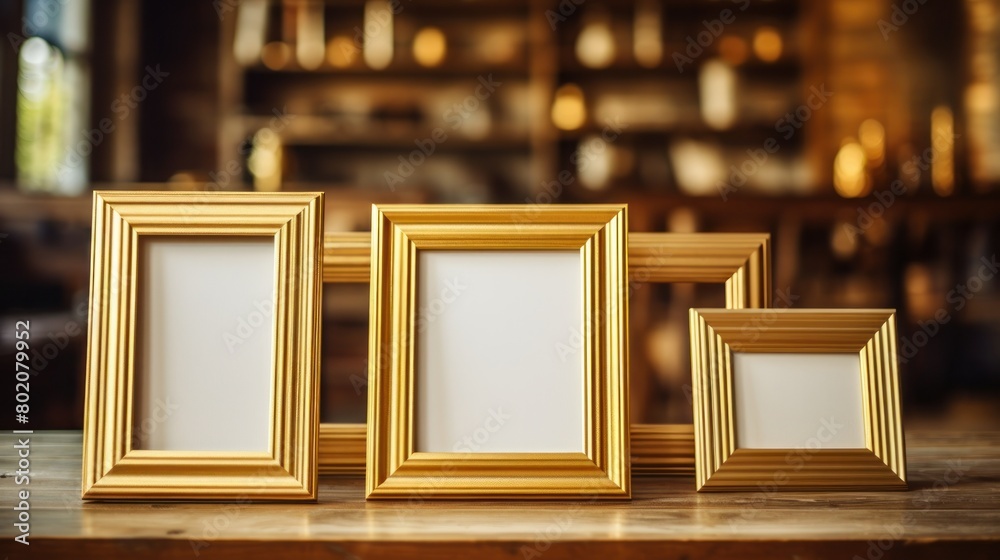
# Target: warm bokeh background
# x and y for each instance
(864, 135)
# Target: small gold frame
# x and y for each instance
(740, 261)
(394, 469)
(871, 334)
(112, 469)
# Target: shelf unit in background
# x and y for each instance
(375, 129)
(353, 122)
(356, 123)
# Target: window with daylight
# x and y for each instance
(52, 154)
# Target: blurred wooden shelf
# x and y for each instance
(739, 133)
(708, 8)
(17, 206)
(483, 5)
(629, 70)
(344, 130)
(951, 511)
(820, 209)
(538, 57)
(397, 69)
(401, 142)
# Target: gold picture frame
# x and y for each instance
(288, 226)
(876, 462)
(400, 235)
(739, 261)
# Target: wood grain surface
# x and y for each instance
(951, 511)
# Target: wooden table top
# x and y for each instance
(952, 510)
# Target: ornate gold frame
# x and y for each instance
(112, 469)
(394, 469)
(871, 334)
(742, 261)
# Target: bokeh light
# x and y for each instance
(849, 178)
(767, 44)
(569, 111)
(429, 47)
(595, 46)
